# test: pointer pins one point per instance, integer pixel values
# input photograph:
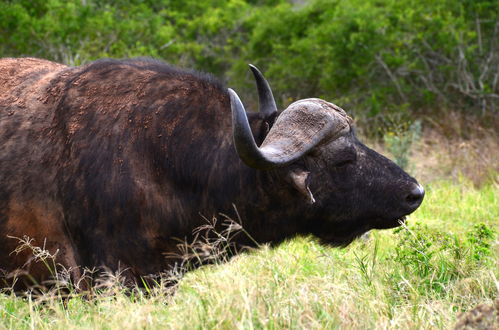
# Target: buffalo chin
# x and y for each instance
(387, 224)
(345, 238)
(342, 239)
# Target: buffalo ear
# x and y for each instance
(298, 179)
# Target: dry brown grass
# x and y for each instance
(438, 157)
(454, 147)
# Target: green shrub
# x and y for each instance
(436, 258)
(374, 58)
(479, 240)
(400, 141)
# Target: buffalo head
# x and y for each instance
(348, 187)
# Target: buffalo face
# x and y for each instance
(356, 189)
(348, 188)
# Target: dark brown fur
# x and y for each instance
(105, 162)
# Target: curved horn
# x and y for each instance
(245, 144)
(265, 97)
(299, 128)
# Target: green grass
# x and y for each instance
(422, 276)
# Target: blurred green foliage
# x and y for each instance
(372, 57)
(439, 257)
(400, 140)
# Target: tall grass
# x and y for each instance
(422, 275)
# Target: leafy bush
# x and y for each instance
(479, 239)
(374, 57)
(437, 257)
(399, 142)
(378, 57)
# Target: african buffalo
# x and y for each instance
(110, 164)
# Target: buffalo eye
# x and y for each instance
(345, 157)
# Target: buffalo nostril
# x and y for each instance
(416, 195)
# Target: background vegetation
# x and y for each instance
(374, 57)
(421, 78)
